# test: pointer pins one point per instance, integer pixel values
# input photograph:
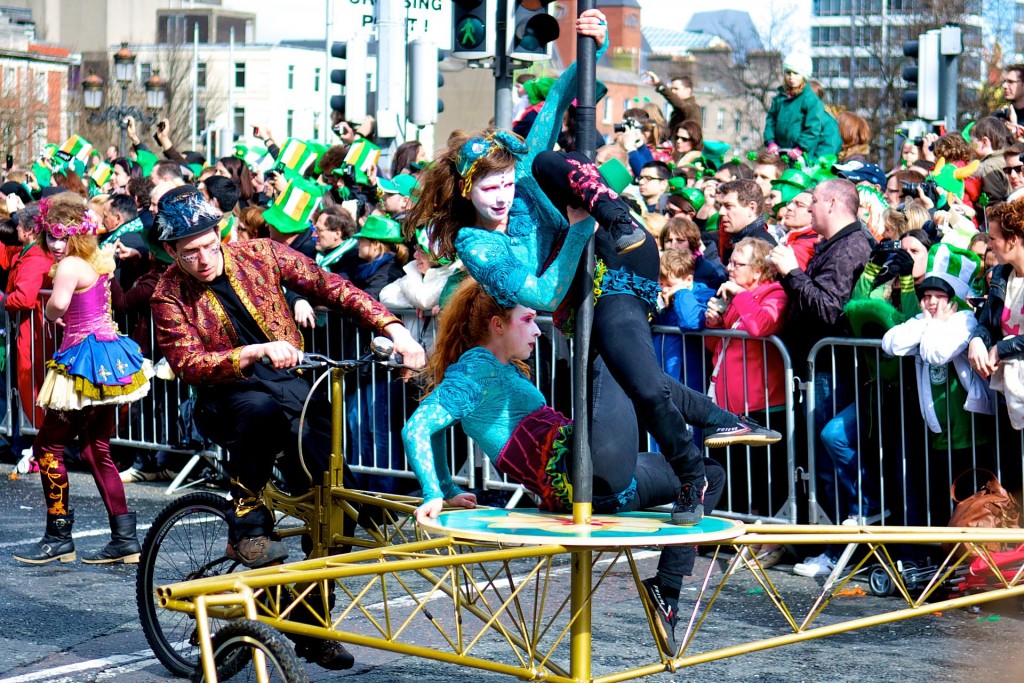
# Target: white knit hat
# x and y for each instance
(799, 62)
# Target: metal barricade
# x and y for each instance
(866, 433)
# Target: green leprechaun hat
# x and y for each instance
(296, 158)
(291, 210)
(952, 270)
(382, 229)
(677, 186)
(362, 155)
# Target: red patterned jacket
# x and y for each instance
(193, 330)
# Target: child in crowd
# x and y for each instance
(948, 388)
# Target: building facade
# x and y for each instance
(33, 90)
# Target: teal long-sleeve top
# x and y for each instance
(488, 397)
(508, 265)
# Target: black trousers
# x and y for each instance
(256, 421)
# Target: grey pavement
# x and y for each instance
(75, 622)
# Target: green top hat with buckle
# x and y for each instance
(382, 229)
(290, 211)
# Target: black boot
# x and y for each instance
(570, 179)
(124, 544)
(56, 543)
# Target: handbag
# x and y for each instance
(991, 507)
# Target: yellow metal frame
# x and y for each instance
(526, 624)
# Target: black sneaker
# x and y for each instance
(626, 235)
(663, 615)
(689, 507)
(745, 432)
(327, 654)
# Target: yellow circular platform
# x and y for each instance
(496, 525)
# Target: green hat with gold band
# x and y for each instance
(291, 210)
(382, 229)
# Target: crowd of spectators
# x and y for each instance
(808, 238)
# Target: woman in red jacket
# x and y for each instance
(749, 375)
(30, 272)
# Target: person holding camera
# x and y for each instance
(679, 94)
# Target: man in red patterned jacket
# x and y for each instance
(217, 312)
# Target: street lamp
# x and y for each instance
(124, 73)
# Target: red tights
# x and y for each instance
(96, 425)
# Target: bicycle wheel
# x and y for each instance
(233, 648)
(187, 541)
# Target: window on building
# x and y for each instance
(720, 120)
(737, 121)
(201, 119)
(291, 77)
(316, 125)
(10, 80)
(39, 85)
(238, 118)
(609, 108)
(145, 71)
(239, 74)
(316, 79)
(289, 123)
(201, 74)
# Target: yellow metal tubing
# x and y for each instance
(581, 575)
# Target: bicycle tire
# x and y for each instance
(187, 541)
(232, 654)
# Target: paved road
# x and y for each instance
(77, 622)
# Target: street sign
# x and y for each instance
(427, 19)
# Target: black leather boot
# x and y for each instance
(124, 544)
(56, 543)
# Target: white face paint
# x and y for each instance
(56, 247)
(492, 197)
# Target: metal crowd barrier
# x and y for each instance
(893, 452)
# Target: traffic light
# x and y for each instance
(352, 105)
(531, 30)
(923, 95)
(424, 81)
(473, 29)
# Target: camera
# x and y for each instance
(1002, 114)
(931, 190)
(628, 122)
(919, 141)
(161, 126)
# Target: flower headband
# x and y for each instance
(90, 224)
(479, 148)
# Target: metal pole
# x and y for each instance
(326, 79)
(121, 117)
(194, 114)
(586, 143)
(227, 140)
(580, 636)
(502, 72)
(390, 69)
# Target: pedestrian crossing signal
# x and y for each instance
(473, 29)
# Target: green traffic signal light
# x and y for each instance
(469, 33)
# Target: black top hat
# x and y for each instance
(183, 212)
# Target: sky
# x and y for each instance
(276, 20)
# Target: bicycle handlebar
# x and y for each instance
(382, 352)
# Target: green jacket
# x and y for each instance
(831, 141)
(797, 122)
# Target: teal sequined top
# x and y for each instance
(488, 397)
(507, 264)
